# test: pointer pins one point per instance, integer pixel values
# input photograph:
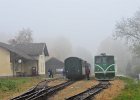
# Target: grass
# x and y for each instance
(11, 84)
(10, 87)
(131, 90)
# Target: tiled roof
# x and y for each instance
(54, 61)
(33, 49)
(27, 51)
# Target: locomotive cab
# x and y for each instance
(104, 67)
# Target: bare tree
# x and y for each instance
(24, 36)
(120, 51)
(129, 30)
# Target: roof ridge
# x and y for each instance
(27, 51)
(54, 58)
(12, 49)
(32, 49)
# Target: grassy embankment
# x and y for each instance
(10, 87)
(131, 90)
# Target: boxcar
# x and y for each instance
(104, 67)
(75, 68)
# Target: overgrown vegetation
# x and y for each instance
(131, 90)
(7, 84)
(11, 87)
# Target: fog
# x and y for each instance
(122, 53)
(84, 23)
(60, 48)
(70, 27)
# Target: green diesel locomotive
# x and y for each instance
(104, 67)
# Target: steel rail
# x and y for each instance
(91, 92)
(42, 93)
(40, 86)
(46, 94)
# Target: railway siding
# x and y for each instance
(42, 91)
(91, 92)
(80, 86)
(73, 89)
(45, 83)
(113, 91)
(107, 94)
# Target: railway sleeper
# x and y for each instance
(91, 92)
(40, 86)
(44, 95)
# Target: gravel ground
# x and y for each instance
(56, 82)
(80, 86)
(73, 89)
(112, 91)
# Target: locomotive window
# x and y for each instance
(98, 60)
(104, 60)
(110, 60)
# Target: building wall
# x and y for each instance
(41, 64)
(5, 65)
(28, 65)
(25, 68)
(54, 66)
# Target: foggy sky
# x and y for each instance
(84, 22)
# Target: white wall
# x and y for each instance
(41, 64)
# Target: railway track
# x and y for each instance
(91, 92)
(42, 91)
(52, 90)
(39, 86)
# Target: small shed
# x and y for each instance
(55, 64)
